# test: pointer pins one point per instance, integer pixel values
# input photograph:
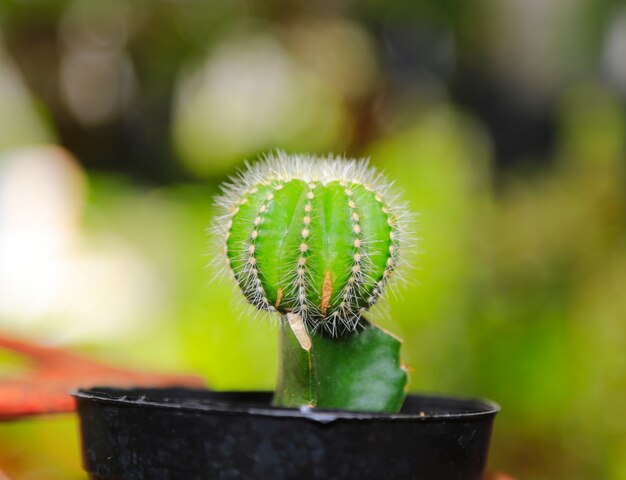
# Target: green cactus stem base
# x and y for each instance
(359, 371)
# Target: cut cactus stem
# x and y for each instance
(360, 371)
(316, 240)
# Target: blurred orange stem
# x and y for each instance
(56, 372)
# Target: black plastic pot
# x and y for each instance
(168, 434)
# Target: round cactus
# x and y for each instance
(315, 237)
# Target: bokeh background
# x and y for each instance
(504, 122)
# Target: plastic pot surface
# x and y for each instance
(187, 434)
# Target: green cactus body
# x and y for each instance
(317, 241)
(322, 247)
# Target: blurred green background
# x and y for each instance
(504, 122)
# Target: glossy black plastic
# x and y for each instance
(171, 434)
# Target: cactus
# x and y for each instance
(316, 241)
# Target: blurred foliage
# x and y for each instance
(503, 122)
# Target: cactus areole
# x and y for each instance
(316, 240)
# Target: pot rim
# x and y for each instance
(477, 407)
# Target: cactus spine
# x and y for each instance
(314, 238)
